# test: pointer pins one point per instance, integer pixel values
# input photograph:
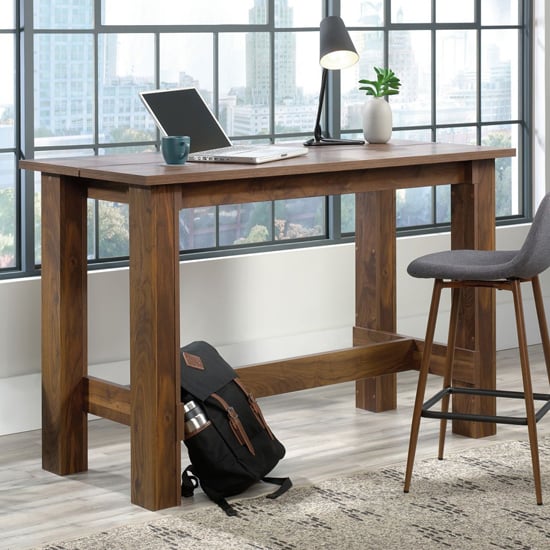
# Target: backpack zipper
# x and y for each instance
(235, 423)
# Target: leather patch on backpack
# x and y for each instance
(193, 361)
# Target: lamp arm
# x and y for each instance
(318, 138)
(317, 130)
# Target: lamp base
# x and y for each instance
(330, 141)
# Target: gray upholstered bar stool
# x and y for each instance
(502, 270)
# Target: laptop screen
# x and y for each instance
(183, 112)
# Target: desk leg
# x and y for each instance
(473, 226)
(375, 286)
(154, 347)
(64, 325)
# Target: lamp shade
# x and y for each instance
(337, 50)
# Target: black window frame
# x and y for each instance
(24, 34)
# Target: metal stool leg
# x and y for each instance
(422, 379)
(527, 388)
(543, 327)
(449, 361)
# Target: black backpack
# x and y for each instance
(230, 445)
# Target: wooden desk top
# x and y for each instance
(148, 169)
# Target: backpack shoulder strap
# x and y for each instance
(284, 485)
(189, 482)
(226, 507)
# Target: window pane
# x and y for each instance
(63, 89)
(194, 68)
(112, 229)
(414, 135)
(500, 12)
(245, 83)
(258, 66)
(499, 75)
(414, 206)
(405, 11)
(8, 218)
(297, 81)
(508, 198)
(198, 228)
(122, 75)
(443, 204)
(451, 11)
(37, 218)
(92, 234)
(298, 13)
(7, 16)
(456, 76)
(184, 12)
(410, 59)
(347, 212)
(362, 13)
(245, 223)
(300, 218)
(63, 14)
(370, 46)
(7, 89)
(466, 135)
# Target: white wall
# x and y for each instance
(281, 303)
(275, 302)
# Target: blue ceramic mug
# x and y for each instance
(175, 149)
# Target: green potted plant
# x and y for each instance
(377, 115)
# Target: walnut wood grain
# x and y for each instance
(375, 286)
(107, 399)
(317, 184)
(64, 325)
(107, 191)
(323, 369)
(472, 226)
(154, 347)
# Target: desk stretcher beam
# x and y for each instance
(107, 399)
(322, 369)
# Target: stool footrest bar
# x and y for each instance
(517, 420)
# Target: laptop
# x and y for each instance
(183, 112)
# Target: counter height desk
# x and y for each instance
(156, 193)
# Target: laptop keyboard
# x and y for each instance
(225, 150)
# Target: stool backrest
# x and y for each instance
(534, 256)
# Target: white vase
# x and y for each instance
(377, 120)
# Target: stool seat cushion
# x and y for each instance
(490, 265)
(467, 265)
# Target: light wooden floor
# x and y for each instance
(324, 434)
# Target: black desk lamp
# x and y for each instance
(336, 52)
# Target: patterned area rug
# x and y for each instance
(475, 499)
